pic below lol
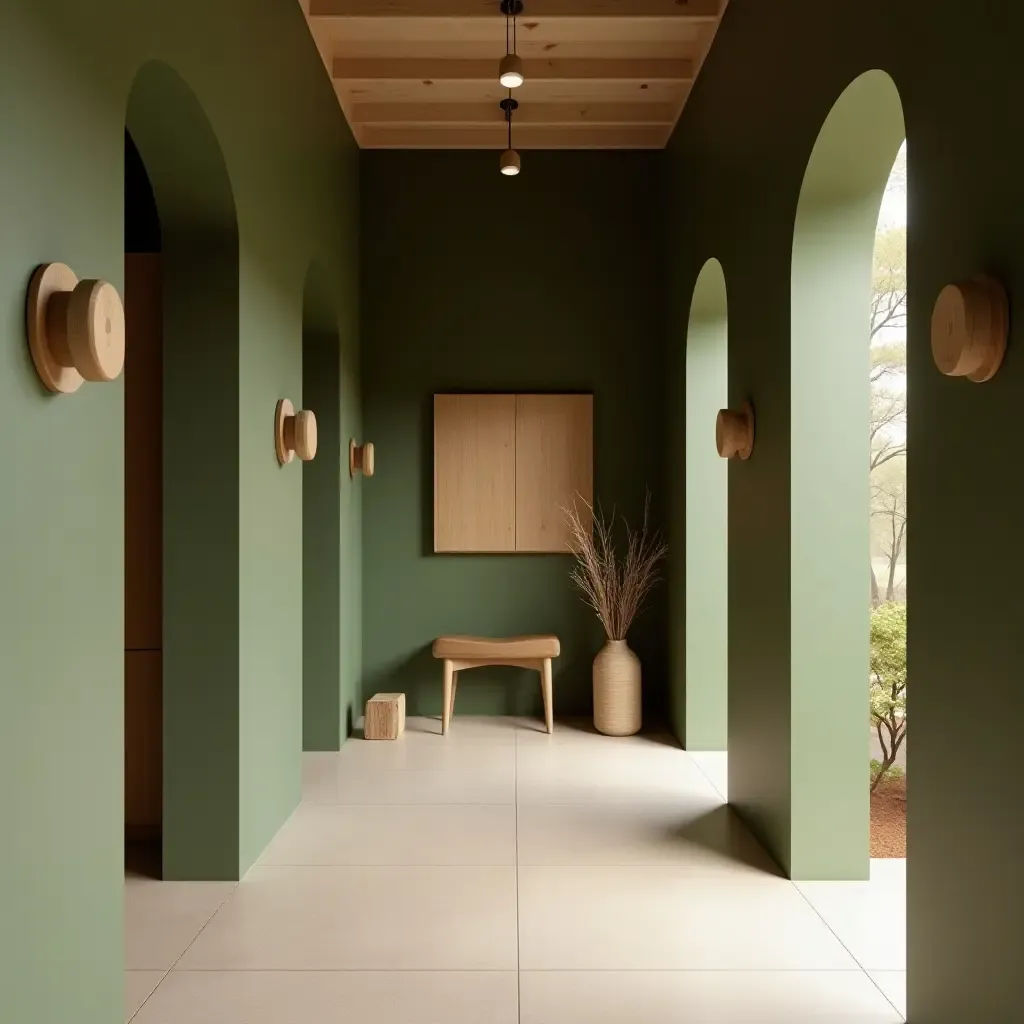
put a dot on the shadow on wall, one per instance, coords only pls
(326, 711)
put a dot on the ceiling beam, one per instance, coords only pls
(426, 70)
(700, 10)
(525, 137)
(472, 114)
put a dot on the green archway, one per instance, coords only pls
(703, 723)
(833, 240)
(199, 262)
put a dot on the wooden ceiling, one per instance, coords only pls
(600, 74)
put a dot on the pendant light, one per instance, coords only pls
(510, 163)
(510, 70)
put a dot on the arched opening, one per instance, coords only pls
(143, 518)
(194, 280)
(326, 718)
(703, 723)
(831, 290)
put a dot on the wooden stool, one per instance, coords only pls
(462, 652)
(385, 716)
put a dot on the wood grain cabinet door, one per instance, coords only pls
(554, 467)
(474, 473)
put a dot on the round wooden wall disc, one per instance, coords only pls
(305, 434)
(96, 330)
(734, 432)
(368, 459)
(970, 323)
(48, 279)
(284, 410)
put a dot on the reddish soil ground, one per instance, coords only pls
(889, 819)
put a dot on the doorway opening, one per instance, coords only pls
(831, 293)
(182, 697)
(143, 519)
(888, 555)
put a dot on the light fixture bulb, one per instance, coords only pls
(510, 162)
(510, 71)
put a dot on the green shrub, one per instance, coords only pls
(888, 684)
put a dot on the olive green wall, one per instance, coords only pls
(737, 161)
(551, 281)
(66, 72)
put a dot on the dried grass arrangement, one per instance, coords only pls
(614, 587)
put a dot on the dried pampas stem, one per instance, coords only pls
(615, 588)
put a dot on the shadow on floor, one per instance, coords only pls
(143, 858)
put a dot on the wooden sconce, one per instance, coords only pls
(294, 433)
(734, 432)
(970, 324)
(360, 458)
(75, 329)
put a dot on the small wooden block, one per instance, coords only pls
(385, 716)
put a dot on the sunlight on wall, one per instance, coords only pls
(833, 241)
(707, 538)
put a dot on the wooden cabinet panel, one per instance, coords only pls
(554, 464)
(474, 473)
(143, 431)
(143, 742)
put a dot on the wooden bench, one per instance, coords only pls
(462, 652)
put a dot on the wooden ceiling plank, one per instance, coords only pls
(531, 94)
(524, 138)
(691, 10)
(535, 70)
(530, 114)
(412, 32)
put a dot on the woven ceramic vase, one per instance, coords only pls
(617, 692)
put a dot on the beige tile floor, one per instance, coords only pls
(503, 876)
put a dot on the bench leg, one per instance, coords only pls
(446, 706)
(545, 685)
(455, 690)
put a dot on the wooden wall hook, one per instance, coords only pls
(734, 432)
(970, 325)
(294, 432)
(75, 328)
(360, 458)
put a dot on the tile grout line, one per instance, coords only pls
(177, 960)
(515, 799)
(803, 896)
(860, 966)
(700, 768)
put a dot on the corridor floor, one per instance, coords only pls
(502, 875)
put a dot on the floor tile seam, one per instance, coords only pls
(711, 781)
(509, 970)
(413, 803)
(442, 803)
(885, 970)
(402, 864)
(853, 957)
(515, 804)
(191, 942)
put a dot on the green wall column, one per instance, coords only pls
(236, 652)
